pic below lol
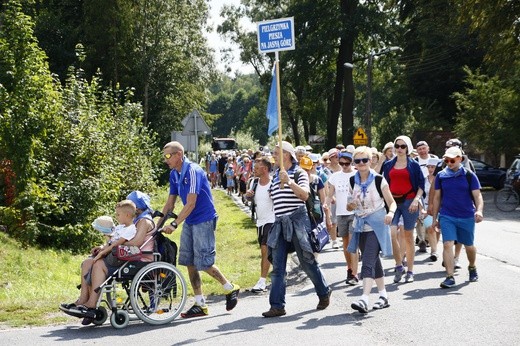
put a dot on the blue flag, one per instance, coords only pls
(272, 107)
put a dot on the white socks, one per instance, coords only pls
(228, 286)
(199, 299)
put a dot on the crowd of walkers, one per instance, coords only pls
(374, 203)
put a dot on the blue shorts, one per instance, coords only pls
(409, 219)
(198, 245)
(457, 229)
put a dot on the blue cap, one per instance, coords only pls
(346, 155)
(141, 200)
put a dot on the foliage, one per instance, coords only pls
(488, 113)
(28, 95)
(75, 150)
(156, 47)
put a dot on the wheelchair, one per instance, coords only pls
(153, 292)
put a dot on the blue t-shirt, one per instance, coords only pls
(192, 179)
(455, 196)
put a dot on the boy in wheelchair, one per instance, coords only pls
(101, 262)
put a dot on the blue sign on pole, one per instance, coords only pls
(276, 35)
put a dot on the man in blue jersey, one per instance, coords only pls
(197, 244)
(289, 190)
(458, 203)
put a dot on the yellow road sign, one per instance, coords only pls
(360, 137)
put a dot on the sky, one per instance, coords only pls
(217, 43)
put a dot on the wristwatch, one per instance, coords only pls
(174, 224)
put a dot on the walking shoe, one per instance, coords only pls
(473, 275)
(408, 277)
(422, 246)
(456, 263)
(381, 303)
(449, 282)
(360, 306)
(195, 311)
(433, 257)
(335, 244)
(399, 272)
(259, 287)
(274, 312)
(352, 281)
(324, 301)
(232, 297)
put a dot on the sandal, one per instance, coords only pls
(381, 303)
(360, 306)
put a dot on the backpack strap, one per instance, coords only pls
(468, 179)
(378, 179)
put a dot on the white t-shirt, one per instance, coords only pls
(341, 182)
(264, 205)
(122, 231)
(371, 202)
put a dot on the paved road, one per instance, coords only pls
(482, 313)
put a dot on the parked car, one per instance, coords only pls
(489, 175)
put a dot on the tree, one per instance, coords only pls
(488, 113)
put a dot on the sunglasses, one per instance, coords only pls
(364, 160)
(402, 146)
(450, 161)
(169, 155)
(344, 163)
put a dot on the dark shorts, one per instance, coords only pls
(263, 232)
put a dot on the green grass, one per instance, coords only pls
(33, 282)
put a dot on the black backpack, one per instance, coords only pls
(313, 203)
(167, 248)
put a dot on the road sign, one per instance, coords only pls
(360, 137)
(276, 35)
(194, 124)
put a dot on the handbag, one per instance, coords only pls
(127, 253)
(319, 237)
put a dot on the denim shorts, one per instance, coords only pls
(198, 245)
(345, 225)
(457, 229)
(409, 219)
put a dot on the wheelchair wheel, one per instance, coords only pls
(119, 319)
(101, 316)
(158, 293)
(506, 199)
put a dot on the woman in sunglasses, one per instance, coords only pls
(406, 182)
(369, 193)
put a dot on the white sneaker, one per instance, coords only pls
(335, 244)
(259, 287)
(456, 263)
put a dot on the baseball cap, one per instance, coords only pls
(432, 161)
(306, 163)
(454, 142)
(420, 144)
(315, 157)
(286, 146)
(453, 152)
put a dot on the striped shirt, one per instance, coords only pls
(285, 200)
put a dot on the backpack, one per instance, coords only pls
(167, 248)
(313, 203)
(253, 204)
(378, 179)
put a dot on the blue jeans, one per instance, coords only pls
(278, 275)
(197, 245)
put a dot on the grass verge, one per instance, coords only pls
(33, 281)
